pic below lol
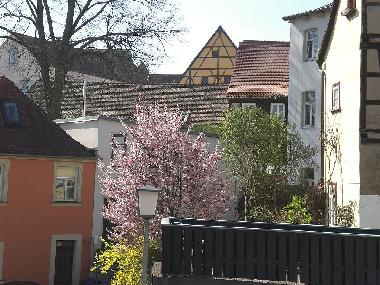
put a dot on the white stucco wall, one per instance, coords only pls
(25, 72)
(305, 76)
(95, 133)
(342, 66)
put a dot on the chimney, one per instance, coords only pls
(84, 97)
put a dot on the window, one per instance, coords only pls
(14, 55)
(311, 45)
(227, 79)
(4, 166)
(332, 202)
(308, 109)
(350, 9)
(117, 140)
(248, 105)
(215, 53)
(25, 84)
(204, 80)
(278, 109)
(67, 183)
(10, 113)
(335, 103)
(235, 105)
(308, 176)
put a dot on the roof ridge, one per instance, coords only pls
(309, 12)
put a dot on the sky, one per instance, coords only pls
(241, 19)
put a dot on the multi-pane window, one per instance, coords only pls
(308, 176)
(117, 141)
(308, 109)
(335, 104)
(278, 109)
(67, 183)
(204, 80)
(10, 113)
(14, 55)
(245, 105)
(215, 53)
(227, 79)
(311, 45)
(3, 180)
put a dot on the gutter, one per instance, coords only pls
(47, 157)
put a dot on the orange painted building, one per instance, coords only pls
(46, 196)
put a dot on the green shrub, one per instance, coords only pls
(124, 261)
(296, 211)
(345, 215)
(207, 128)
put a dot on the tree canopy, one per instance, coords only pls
(264, 153)
(160, 154)
(64, 28)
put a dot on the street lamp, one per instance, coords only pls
(148, 196)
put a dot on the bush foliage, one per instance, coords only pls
(124, 261)
(296, 211)
(268, 158)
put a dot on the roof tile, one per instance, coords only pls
(118, 100)
(261, 70)
(37, 135)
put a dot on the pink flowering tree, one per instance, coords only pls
(158, 152)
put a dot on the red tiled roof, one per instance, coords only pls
(37, 135)
(261, 70)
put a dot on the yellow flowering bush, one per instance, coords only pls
(124, 261)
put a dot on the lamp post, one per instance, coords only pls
(148, 196)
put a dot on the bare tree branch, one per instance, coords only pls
(50, 21)
(65, 28)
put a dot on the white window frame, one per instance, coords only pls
(276, 106)
(314, 45)
(4, 165)
(335, 97)
(115, 143)
(76, 257)
(248, 105)
(78, 181)
(312, 107)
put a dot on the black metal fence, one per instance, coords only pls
(310, 254)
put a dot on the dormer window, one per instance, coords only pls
(11, 113)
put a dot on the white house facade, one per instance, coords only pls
(18, 65)
(95, 132)
(350, 62)
(304, 98)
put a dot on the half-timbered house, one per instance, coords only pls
(350, 62)
(214, 64)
